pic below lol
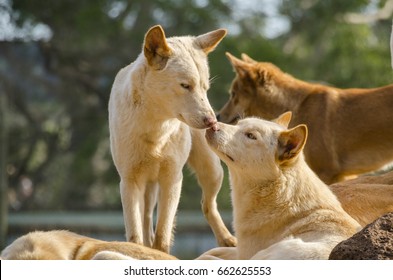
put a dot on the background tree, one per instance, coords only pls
(3, 184)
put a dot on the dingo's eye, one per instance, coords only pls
(185, 86)
(251, 136)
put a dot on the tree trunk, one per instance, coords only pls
(3, 181)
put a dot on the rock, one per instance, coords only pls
(374, 242)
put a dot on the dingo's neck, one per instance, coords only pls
(264, 209)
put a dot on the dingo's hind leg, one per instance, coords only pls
(210, 174)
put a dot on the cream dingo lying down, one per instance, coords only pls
(65, 245)
(281, 209)
(158, 109)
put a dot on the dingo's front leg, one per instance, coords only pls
(110, 255)
(210, 174)
(133, 205)
(150, 203)
(168, 200)
(295, 249)
(220, 253)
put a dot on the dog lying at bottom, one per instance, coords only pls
(281, 209)
(65, 245)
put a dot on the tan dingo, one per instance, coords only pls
(65, 245)
(350, 130)
(281, 209)
(367, 197)
(158, 109)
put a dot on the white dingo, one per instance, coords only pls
(158, 109)
(282, 210)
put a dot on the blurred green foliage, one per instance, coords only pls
(57, 77)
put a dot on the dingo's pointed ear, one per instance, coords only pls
(284, 119)
(248, 59)
(241, 67)
(155, 48)
(291, 143)
(208, 42)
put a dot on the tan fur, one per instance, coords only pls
(157, 110)
(350, 130)
(281, 209)
(366, 198)
(65, 245)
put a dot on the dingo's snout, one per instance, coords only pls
(210, 122)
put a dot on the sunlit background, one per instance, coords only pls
(58, 60)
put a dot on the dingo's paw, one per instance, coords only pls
(230, 241)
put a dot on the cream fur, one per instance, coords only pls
(282, 210)
(65, 245)
(157, 108)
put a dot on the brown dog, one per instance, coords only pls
(350, 130)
